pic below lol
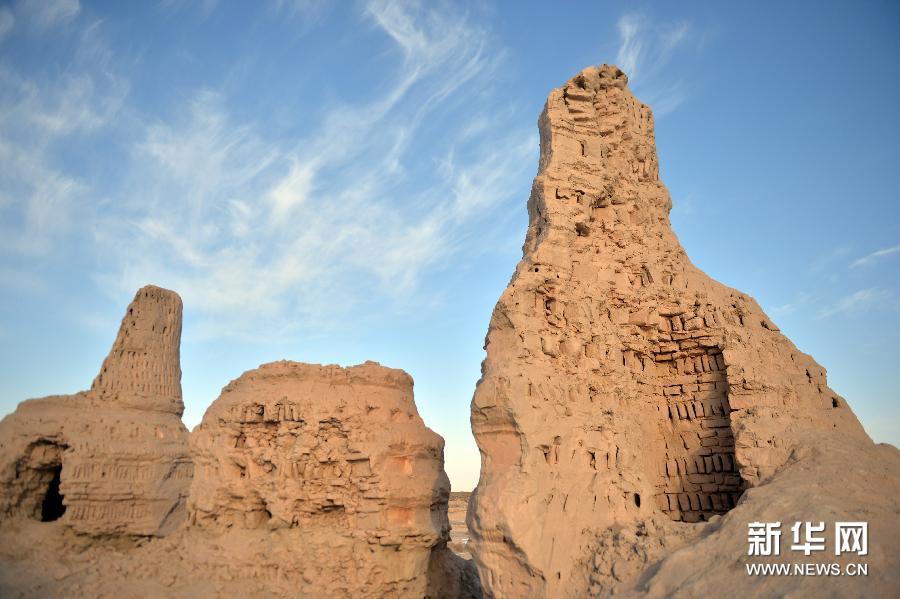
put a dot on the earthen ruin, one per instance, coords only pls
(338, 463)
(633, 415)
(317, 480)
(625, 394)
(115, 459)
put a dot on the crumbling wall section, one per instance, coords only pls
(339, 464)
(117, 455)
(621, 384)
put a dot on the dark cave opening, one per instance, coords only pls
(52, 508)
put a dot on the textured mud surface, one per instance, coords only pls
(634, 416)
(302, 479)
(627, 397)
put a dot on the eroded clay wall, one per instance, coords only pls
(621, 384)
(119, 451)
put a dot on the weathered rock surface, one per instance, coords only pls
(826, 480)
(626, 397)
(302, 480)
(113, 460)
(337, 463)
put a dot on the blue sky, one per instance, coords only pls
(333, 182)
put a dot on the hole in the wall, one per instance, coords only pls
(637, 500)
(835, 403)
(38, 472)
(699, 476)
(53, 508)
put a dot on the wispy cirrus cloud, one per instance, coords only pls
(306, 13)
(855, 301)
(40, 112)
(645, 50)
(874, 256)
(204, 7)
(267, 235)
(45, 14)
(7, 22)
(802, 300)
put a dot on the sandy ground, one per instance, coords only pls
(459, 534)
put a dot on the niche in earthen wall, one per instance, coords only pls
(697, 476)
(35, 491)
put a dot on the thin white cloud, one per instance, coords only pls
(7, 22)
(22, 280)
(205, 7)
(292, 190)
(300, 7)
(39, 112)
(674, 35)
(645, 50)
(398, 21)
(203, 152)
(631, 44)
(304, 14)
(870, 258)
(829, 259)
(36, 200)
(855, 301)
(45, 14)
(802, 300)
(264, 235)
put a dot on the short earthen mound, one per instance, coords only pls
(325, 475)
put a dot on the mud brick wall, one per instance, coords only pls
(334, 467)
(143, 367)
(114, 458)
(698, 476)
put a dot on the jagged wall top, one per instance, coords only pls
(143, 368)
(599, 120)
(328, 474)
(593, 124)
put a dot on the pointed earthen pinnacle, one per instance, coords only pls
(621, 382)
(143, 368)
(597, 150)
